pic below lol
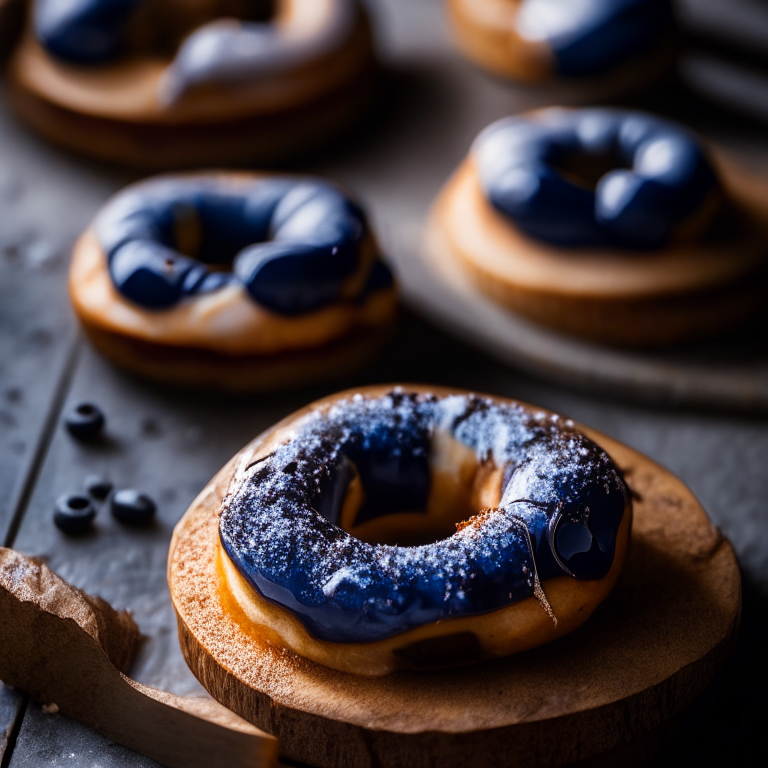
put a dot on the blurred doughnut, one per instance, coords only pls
(187, 82)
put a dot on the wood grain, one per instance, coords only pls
(646, 654)
(36, 344)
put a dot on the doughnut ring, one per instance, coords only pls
(323, 530)
(523, 171)
(238, 281)
(184, 82)
(539, 40)
(609, 224)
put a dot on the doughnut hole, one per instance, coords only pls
(411, 494)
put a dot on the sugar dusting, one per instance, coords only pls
(345, 590)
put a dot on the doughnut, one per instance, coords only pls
(238, 281)
(172, 83)
(397, 528)
(608, 224)
(569, 40)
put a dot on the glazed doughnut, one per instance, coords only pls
(609, 224)
(326, 527)
(539, 40)
(236, 281)
(185, 82)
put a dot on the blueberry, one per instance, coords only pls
(131, 507)
(98, 487)
(85, 421)
(74, 513)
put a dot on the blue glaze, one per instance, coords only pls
(315, 236)
(590, 37)
(91, 32)
(560, 512)
(292, 243)
(223, 51)
(83, 31)
(661, 176)
(150, 274)
(228, 51)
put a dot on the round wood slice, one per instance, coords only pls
(648, 651)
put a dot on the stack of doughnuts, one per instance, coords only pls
(609, 224)
(233, 281)
(165, 83)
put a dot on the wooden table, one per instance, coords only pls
(169, 444)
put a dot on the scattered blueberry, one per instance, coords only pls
(74, 513)
(85, 421)
(98, 487)
(131, 507)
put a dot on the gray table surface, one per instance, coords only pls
(169, 444)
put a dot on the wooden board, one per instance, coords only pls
(647, 653)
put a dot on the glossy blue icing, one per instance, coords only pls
(225, 51)
(221, 51)
(82, 31)
(589, 37)
(661, 176)
(292, 243)
(563, 503)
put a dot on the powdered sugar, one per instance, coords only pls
(278, 524)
